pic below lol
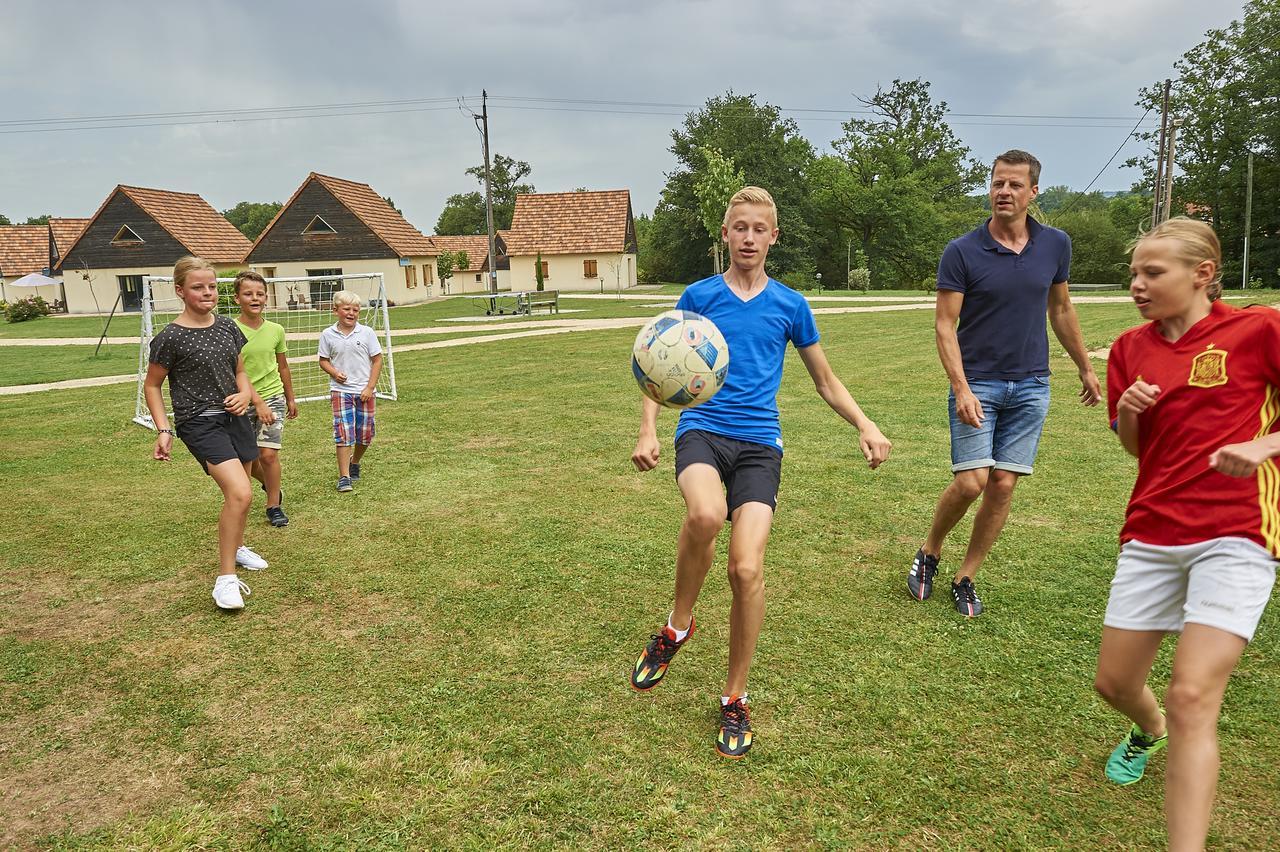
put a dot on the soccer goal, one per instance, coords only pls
(302, 305)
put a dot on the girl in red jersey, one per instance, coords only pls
(1195, 395)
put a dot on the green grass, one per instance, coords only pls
(440, 658)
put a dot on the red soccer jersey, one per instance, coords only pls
(1219, 384)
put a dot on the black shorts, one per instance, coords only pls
(219, 438)
(750, 472)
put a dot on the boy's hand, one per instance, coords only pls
(1138, 397)
(238, 403)
(265, 415)
(291, 407)
(875, 446)
(164, 445)
(645, 455)
(367, 393)
(1239, 459)
(341, 378)
(968, 409)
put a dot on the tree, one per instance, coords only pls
(463, 214)
(898, 186)
(1098, 257)
(252, 217)
(717, 183)
(538, 277)
(37, 220)
(1226, 97)
(4, 220)
(771, 154)
(446, 263)
(644, 248)
(392, 204)
(1055, 198)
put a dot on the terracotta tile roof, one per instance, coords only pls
(372, 209)
(23, 249)
(66, 231)
(476, 247)
(193, 222)
(569, 222)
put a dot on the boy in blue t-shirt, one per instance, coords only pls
(729, 449)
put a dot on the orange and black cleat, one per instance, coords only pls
(657, 655)
(734, 739)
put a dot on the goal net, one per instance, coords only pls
(304, 306)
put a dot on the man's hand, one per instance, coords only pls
(968, 409)
(645, 455)
(1091, 388)
(164, 446)
(265, 415)
(1138, 397)
(875, 446)
(238, 403)
(1240, 460)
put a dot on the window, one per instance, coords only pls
(322, 291)
(411, 277)
(478, 277)
(426, 275)
(268, 272)
(126, 237)
(318, 227)
(545, 272)
(588, 269)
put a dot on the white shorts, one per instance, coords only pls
(1223, 583)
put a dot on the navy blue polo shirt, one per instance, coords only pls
(1006, 295)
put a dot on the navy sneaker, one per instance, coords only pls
(277, 517)
(966, 598)
(355, 471)
(344, 484)
(920, 578)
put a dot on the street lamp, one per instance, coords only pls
(818, 275)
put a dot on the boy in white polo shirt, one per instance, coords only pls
(351, 355)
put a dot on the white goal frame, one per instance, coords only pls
(372, 310)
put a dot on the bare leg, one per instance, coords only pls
(359, 453)
(966, 487)
(704, 517)
(344, 460)
(992, 514)
(1124, 662)
(233, 478)
(751, 525)
(1202, 665)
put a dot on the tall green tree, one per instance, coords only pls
(464, 213)
(37, 220)
(769, 151)
(713, 187)
(897, 187)
(252, 217)
(4, 220)
(1228, 97)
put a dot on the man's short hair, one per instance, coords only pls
(752, 195)
(1015, 157)
(346, 297)
(248, 275)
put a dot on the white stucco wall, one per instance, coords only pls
(565, 272)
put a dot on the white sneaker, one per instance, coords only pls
(226, 592)
(248, 559)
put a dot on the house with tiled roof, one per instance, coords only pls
(475, 277)
(138, 232)
(332, 226)
(587, 240)
(23, 249)
(63, 231)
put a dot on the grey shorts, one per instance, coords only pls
(269, 436)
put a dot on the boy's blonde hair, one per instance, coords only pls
(1196, 243)
(752, 195)
(187, 265)
(346, 297)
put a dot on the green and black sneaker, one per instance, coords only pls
(657, 655)
(734, 737)
(1128, 761)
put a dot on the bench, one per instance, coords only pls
(549, 299)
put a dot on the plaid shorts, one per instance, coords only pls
(352, 419)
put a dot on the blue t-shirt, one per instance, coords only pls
(1006, 294)
(757, 332)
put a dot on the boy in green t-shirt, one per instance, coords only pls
(266, 361)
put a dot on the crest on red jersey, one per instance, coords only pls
(1209, 368)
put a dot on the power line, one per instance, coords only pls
(231, 120)
(1105, 166)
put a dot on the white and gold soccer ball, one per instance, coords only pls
(680, 359)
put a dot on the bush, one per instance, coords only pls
(929, 284)
(26, 309)
(1255, 283)
(860, 279)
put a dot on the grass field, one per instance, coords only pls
(440, 659)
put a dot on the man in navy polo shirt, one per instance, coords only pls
(998, 281)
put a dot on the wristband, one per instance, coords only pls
(166, 432)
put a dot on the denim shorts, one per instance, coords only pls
(1013, 415)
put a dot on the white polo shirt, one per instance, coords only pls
(351, 354)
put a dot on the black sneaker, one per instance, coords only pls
(920, 578)
(734, 738)
(657, 655)
(966, 598)
(277, 517)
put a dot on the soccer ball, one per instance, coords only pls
(680, 359)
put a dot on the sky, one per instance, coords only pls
(565, 81)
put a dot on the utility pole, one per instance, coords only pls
(1248, 215)
(1164, 123)
(488, 194)
(1168, 171)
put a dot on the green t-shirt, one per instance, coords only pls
(265, 342)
